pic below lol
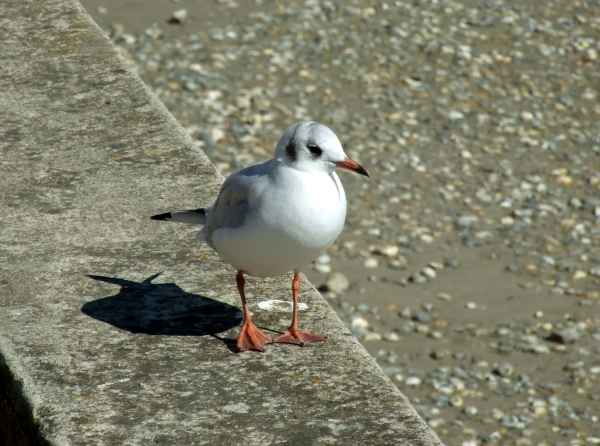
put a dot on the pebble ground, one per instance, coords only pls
(470, 262)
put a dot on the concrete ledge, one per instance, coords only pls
(115, 329)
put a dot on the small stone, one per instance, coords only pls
(497, 414)
(217, 135)
(429, 307)
(436, 334)
(418, 278)
(539, 407)
(548, 260)
(451, 263)
(413, 381)
(442, 400)
(526, 116)
(405, 313)
(591, 294)
(512, 267)
(371, 262)
(579, 274)
(372, 336)
(362, 307)
(564, 180)
(178, 17)
(129, 40)
(345, 306)
(323, 269)
(528, 285)
(470, 305)
(429, 272)
(479, 361)
(323, 259)
(386, 250)
(422, 328)
(471, 410)
(541, 349)
(426, 238)
(423, 317)
(444, 296)
(396, 264)
(330, 295)
(455, 115)
(575, 365)
(507, 221)
(466, 221)
(439, 353)
(401, 282)
(456, 401)
(565, 336)
(358, 321)
(336, 282)
(391, 336)
(390, 370)
(435, 422)
(504, 369)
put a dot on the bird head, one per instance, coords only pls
(311, 147)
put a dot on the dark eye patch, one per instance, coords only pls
(314, 149)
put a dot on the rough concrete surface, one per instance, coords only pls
(115, 329)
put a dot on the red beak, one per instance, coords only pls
(348, 164)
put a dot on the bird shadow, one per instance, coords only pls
(162, 309)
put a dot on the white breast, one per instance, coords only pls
(296, 219)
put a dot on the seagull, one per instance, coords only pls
(276, 217)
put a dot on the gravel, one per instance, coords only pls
(336, 282)
(478, 122)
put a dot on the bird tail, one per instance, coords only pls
(192, 216)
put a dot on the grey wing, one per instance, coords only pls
(236, 198)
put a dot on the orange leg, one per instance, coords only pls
(250, 337)
(295, 336)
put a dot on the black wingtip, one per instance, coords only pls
(163, 217)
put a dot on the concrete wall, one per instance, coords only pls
(118, 330)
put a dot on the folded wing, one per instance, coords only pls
(236, 198)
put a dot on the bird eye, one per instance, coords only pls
(314, 149)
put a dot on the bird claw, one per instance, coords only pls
(251, 338)
(300, 338)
